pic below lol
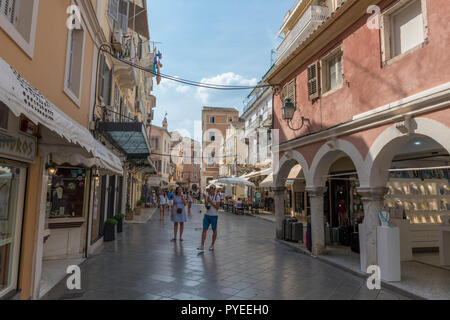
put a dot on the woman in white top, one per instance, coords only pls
(190, 200)
(162, 204)
(178, 215)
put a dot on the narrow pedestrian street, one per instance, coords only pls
(247, 264)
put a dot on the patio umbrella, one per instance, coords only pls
(236, 182)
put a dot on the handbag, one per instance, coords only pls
(179, 211)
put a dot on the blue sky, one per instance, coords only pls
(225, 42)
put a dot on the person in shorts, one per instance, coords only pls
(170, 196)
(162, 203)
(212, 203)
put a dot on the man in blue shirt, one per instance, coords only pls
(170, 196)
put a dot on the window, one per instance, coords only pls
(212, 119)
(289, 91)
(18, 19)
(194, 175)
(332, 70)
(154, 143)
(212, 136)
(116, 102)
(74, 64)
(113, 9)
(123, 16)
(403, 28)
(4, 113)
(313, 81)
(105, 83)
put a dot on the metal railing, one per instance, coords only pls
(313, 17)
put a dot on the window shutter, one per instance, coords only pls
(8, 8)
(313, 81)
(101, 85)
(113, 9)
(289, 91)
(110, 85)
(124, 8)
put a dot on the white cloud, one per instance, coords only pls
(167, 85)
(182, 89)
(228, 78)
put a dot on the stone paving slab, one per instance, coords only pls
(247, 264)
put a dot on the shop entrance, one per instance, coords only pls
(12, 189)
(418, 199)
(343, 207)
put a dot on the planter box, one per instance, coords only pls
(110, 233)
(119, 226)
(129, 215)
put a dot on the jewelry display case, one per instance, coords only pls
(425, 199)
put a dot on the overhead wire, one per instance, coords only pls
(185, 81)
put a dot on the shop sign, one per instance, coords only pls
(17, 146)
(154, 181)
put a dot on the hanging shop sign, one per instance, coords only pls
(23, 99)
(17, 146)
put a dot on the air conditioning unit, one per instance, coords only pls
(117, 40)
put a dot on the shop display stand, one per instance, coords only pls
(388, 244)
(405, 238)
(425, 203)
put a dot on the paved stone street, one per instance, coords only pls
(246, 264)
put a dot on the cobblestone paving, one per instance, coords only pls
(247, 264)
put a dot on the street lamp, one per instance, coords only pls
(51, 169)
(288, 111)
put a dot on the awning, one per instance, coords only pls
(267, 182)
(294, 172)
(22, 98)
(256, 174)
(138, 20)
(128, 137)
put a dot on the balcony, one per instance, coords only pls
(311, 19)
(128, 76)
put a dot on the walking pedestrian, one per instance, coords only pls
(212, 203)
(170, 196)
(162, 203)
(178, 213)
(190, 200)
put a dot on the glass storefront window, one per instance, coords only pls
(65, 193)
(10, 197)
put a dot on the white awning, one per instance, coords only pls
(267, 182)
(22, 98)
(256, 174)
(294, 172)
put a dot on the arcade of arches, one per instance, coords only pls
(341, 191)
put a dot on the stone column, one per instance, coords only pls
(279, 210)
(317, 219)
(373, 202)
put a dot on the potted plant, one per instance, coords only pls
(130, 212)
(119, 217)
(138, 207)
(110, 230)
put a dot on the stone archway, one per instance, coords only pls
(382, 151)
(324, 158)
(376, 171)
(287, 162)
